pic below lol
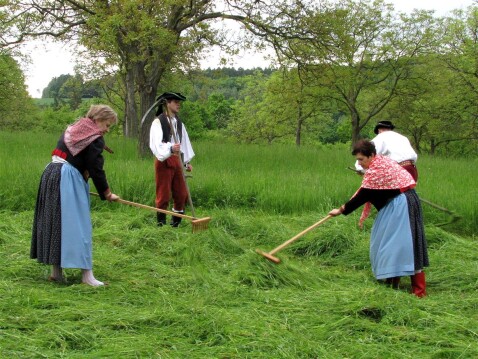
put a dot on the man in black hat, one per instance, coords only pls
(168, 140)
(394, 145)
(383, 125)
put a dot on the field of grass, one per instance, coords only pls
(177, 294)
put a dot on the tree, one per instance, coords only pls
(143, 39)
(73, 90)
(359, 50)
(291, 103)
(255, 118)
(15, 103)
(218, 111)
(437, 108)
(460, 54)
(53, 89)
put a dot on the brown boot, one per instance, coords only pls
(419, 284)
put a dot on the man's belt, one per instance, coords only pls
(407, 163)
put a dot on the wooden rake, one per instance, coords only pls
(198, 224)
(270, 255)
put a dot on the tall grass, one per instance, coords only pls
(277, 179)
(175, 294)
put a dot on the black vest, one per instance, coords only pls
(167, 135)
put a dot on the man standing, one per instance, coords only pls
(168, 140)
(394, 145)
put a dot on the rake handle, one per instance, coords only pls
(150, 207)
(436, 206)
(285, 244)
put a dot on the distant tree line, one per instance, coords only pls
(340, 66)
(71, 90)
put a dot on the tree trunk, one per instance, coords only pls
(148, 88)
(147, 100)
(433, 146)
(355, 120)
(298, 130)
(130, 128)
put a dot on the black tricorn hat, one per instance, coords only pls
(171, 96)
(383, 124)
(168, 96)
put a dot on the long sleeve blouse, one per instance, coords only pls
(378, 197)
(162, 150)
(90, 159)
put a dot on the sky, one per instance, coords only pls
(52, 60)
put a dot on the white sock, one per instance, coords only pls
(89, 278)
(56, 272)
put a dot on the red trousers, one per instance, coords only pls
(170, 181)
(413, 171)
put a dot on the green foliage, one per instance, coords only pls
(342, 61)
(71, 90)
(49, 118)
(54, 86)
(218, 111)
(55, 120)
(193, 114)
(15, 104)
(264, 113)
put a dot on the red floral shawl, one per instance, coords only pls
(80, 134)
(385, 173)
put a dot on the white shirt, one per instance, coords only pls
(393, 145)
(162, 150)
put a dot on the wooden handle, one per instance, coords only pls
(285, 244)
(120, 200)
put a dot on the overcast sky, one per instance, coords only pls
(54, 60)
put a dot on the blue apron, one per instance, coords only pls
(76, 227)
(391, 243)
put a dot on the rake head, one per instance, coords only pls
(268, 256)
(200, 224)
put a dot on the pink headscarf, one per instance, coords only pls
(80, 134)
(385, 173)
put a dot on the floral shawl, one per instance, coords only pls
(385, 173)
(80, 134)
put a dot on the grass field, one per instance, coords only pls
(175, 294)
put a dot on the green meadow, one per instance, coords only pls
(177, 294)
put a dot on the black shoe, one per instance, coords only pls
(393, 282)
(175, 221)
(161, 217)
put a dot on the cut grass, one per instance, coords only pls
(174, 294)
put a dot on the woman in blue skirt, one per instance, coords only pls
(397, 247)
(62, 229)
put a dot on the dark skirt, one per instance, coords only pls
(418, 231)
(46, 231)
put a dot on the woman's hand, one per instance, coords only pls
(188, 167)
(335, 212)
(111, 197)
